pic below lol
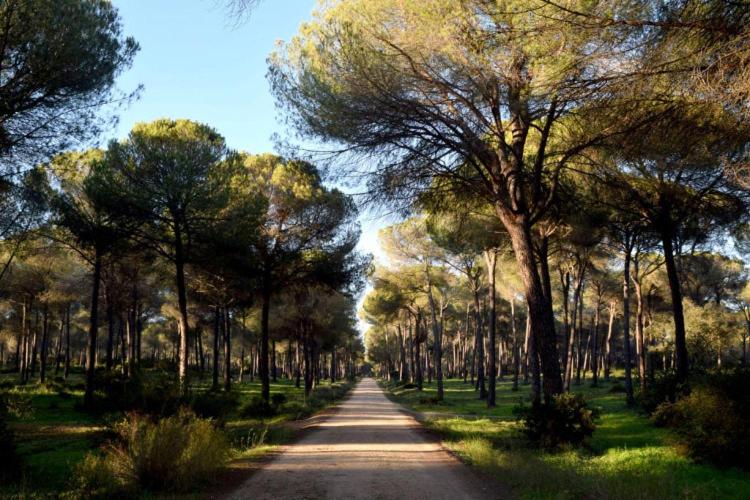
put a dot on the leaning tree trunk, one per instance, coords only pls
(88, 397)
(680, 344)
(539, 305)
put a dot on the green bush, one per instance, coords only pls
(278, 399)
(665, 387)
(158, 394)
(257, 408)
(666, 415)
(429, 400)
(176, 453)
(216, 405)
(296, 410)
(10, 461)
(566, 421)
(709, 425)
(616, 388)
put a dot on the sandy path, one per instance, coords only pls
(367, 449)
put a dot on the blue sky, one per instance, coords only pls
(196, 62)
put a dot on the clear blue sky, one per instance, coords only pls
(196, 62)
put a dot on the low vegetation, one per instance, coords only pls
(61, 447)
(627, 456)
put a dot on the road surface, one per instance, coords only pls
(368, 449)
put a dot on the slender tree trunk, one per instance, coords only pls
(179, 261)
(88, 397)
(490, 257)
(595, 345)
(110, 326)
(264, 375)
(215, 360)
(626, 321)
(417, 354)
(681, 354)
(516, 344)
(479, 346)
(60, 342)
(608, 342)
(44, 347)
(640, 348)
(536, 375)
(66, 372)
(273, 361)
(437, 350)
(227, 350)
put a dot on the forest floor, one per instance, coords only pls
(627, 457)
(53, 434)
(368, 448)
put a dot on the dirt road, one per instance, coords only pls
(368, 449)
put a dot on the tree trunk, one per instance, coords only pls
(88, 397)
(66, 372)
(539, 305)
(264, 379)
(490, 258)
(227, 350)
(640, 348)
(626, 320)
(479, 346)
(44, 347)
(437, 349)
(182, 323)
(595, 335)
(215, 360)
(680, 344)
(608, 342)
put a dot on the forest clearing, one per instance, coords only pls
(375, 249)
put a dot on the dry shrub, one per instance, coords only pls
(177, 454)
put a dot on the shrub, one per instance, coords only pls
(666, 415)
(257, 408)
(278, 399)
(295, 410)
(176, 453)
(566, 421)
(409, 385)
(712, 429)
(95, 477)
(617, 388)
(10, 461)
(255, 437)
(17, 404)
(157, 395)
(665, 387)
(216, 405)
(429, 400)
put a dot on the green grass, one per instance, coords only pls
(627, 457)
(55, 434)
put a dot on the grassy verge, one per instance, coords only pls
(628, 457)
(53, 434)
